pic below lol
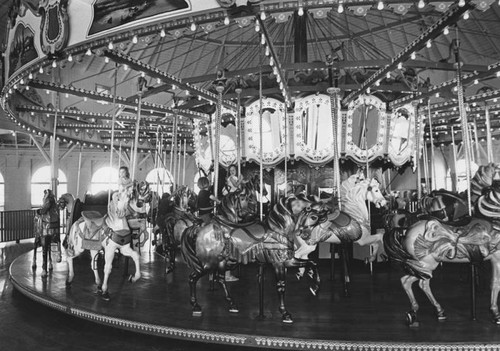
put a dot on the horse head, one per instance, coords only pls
(238, 207)
(373, 193)
(182, 198)
(141, 193)
(311, 218)
(66, 201)
(117, 207)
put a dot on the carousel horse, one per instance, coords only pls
(138, 211)
(47, 232)
(179, 217)
(354, 192)
(232, 239)
(431, 241)
(110, 232)
(67, 202)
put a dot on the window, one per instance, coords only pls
(40, 181)
(160, 180)
(104, 179)
(2, 193)
(462, 184)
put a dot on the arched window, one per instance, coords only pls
(2, 193)
(104, 179)
(461, 175)
(159, 180)
(40, 181)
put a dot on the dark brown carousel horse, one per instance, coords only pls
(225, 242)
(179, 217)
(47, 232)
(432, 240)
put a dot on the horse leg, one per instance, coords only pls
(49, 252)
(280, 271)
(45, 242)
(193, 280)
(411, 316)
(109, 255)
(35, 248)
(426, 287)
(373, 240)
(128, 251)
(313, 272)
(221, 278)
(495, 289)
(345, 269)
(94, 255)
(301, 254)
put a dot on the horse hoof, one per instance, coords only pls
(105, 296)
(441, 316)
(314, 290)
(411, 319)
(99, 290)
(287, 319)
(169, 270)
(298, 276)
(68, 285)
(234, 309)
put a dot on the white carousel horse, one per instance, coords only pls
(111, 232)
(354, 192)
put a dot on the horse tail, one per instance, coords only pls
(188, 248)
(396, 251)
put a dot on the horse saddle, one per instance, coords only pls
(341, 220)
(93, 220)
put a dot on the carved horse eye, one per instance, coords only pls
(308, 208)
(314, 217)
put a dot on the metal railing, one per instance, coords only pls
(16, 225)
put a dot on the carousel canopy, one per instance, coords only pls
(110, 59)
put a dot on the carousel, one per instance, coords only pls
(307, 121)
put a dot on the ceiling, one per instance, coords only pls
(362, 40)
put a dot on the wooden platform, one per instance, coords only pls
(372, 318)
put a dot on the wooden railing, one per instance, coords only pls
(16, 225)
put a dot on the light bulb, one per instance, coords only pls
(226, 21)
(88, 52)
(70, 58)
(380, 5)
(400, 65)
(421, 4)
(257, 27)
(54, 64)
(263, 15)
(368, 90)
(267, 52)
(162, 33)
(461, 3)
(193, 27)
(30, 76)
(476, 81)
(134, 39)
(388, 75)
(429, 43)
(301, 11)
(125, 67)
(340, 9)
(110, 45)
(40, 70)
(377, 83)
(466, 15)
(437, 95)
(413, 56)
(106, 59)
(262, 39)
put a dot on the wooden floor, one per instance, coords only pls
(373, 317)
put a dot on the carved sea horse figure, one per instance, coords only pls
(95, 232)
(212, 247)
(429, 242)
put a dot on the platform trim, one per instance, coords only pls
(245, 340)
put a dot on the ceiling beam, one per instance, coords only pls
(156, 73)
(110, 98)
(451, 16)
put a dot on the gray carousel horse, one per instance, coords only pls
(47, 232)
(431, 241)
(230, 239)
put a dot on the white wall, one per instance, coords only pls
(18, 167)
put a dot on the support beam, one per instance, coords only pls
(451, 16)
(141, 162)
(63, 156)
(156, 73)
(40, 148)
(38, 84)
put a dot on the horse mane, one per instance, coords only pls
(482, 179)
(353, 196)
(280, 217)
(227, 207)
(489, 203)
